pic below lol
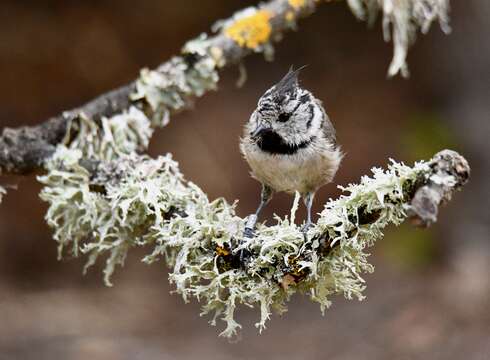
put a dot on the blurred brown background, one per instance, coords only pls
(430, 294)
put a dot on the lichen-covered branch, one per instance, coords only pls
(174, 84)
(103, 209)
(157, 94)
(24, 150)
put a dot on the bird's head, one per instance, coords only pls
(287, 111)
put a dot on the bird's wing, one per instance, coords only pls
(327, 126)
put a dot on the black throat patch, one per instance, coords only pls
(272, 143)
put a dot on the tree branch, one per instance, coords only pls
(107, 208)
(24, 150)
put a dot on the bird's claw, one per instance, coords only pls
(248, 233)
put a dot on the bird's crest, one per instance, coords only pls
(288, 83)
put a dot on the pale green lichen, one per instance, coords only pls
(118, 135)
(111, 212)
(401, 21)
(177, 82)
(139, 201)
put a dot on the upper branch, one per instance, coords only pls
(24, 149)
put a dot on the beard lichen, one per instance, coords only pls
(174, 85)
(401, 21)
(139, 201)
(118, 135)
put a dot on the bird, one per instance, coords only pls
(290, 145)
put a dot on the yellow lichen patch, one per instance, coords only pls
(297, 4)
(221, 251)
(289, 16)
(251, 31)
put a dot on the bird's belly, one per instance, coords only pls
(293, 173)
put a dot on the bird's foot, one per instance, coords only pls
(244, 254)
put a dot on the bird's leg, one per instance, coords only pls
(308, 200)
(265, 197)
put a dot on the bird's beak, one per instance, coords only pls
(259, 130)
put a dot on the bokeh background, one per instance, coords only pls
(429, 297)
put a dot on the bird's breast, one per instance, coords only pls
(305, 170)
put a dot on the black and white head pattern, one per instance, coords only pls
(291, 116)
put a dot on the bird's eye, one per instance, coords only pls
(283, 117)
